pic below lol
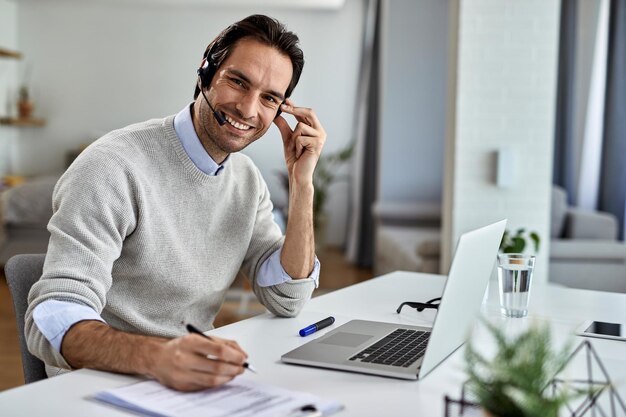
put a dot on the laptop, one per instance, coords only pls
(411, 352)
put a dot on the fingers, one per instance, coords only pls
(203, 380)
(303, 129)
(283, 126)
(306, 138)
(306, 143)
(195, 381)
(302, 114)
(220, 349)
(308, 127)
(232, 344)
(194, 362)
(211, 365)
(302, 145)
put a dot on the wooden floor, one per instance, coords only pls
(10, 361)
(335, 273)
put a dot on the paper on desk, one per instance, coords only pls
(239, 398)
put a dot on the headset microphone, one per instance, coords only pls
(218, 116)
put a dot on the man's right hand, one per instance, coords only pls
(186, 363)
(192, 362)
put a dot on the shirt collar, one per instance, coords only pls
(183, 125)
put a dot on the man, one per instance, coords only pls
(153, 221)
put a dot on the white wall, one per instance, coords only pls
(414, 85)
(504, 87)
(99, 65)
(9, 68)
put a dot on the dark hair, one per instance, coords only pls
(261, 28)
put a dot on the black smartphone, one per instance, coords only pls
(602, 329)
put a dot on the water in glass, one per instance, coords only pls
(514, 283)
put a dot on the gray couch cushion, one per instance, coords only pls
(586, 224)
(416, 213)
(29, 204)
(396, 249)
(599, 251)
(430, 248)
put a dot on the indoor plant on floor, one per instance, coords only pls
(513, 383)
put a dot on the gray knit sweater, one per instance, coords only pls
(150, 242)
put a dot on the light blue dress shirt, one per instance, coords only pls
(54, 318)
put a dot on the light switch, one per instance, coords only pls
(505, 171)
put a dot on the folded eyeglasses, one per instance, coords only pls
(434, 303)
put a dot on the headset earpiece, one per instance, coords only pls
(206, 72)
(204, 75)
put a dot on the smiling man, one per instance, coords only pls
(153, 222)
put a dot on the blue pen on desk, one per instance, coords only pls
(317, 326)
(308, 410)
(192, 329)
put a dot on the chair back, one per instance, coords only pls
(22, 271)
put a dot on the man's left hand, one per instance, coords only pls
(303, 144)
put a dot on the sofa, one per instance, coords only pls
(25, 210)
(407, 237)
(584, 250)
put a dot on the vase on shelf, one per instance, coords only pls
(25, 106)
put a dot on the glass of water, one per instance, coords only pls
(515, 273)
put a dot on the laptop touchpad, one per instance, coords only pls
(346, 339)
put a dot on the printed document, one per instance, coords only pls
(239, 398)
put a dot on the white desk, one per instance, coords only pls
(266, 338)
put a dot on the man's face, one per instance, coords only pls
(247, 89)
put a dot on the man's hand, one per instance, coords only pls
(192, 363)
(302, 145)
(187, 363)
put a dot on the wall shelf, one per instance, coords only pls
(7, 53)
(31, 122)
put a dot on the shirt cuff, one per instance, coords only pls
(272, 272)
(54, 318)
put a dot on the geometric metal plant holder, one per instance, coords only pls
(462, 407)
(602, 399)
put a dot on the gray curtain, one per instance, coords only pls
(365, 169)
(564, 165)
(613, 176)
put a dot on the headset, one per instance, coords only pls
(205, 75)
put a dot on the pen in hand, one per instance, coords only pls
(192, 329)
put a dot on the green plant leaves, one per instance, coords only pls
(517, 243)
(535, 237)
(513, 383)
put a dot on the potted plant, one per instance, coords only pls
(25, 105)
(513, 383)
(325, 174)
(517, 243)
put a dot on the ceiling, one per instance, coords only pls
(291, 4)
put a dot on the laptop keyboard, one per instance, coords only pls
(402, 347)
